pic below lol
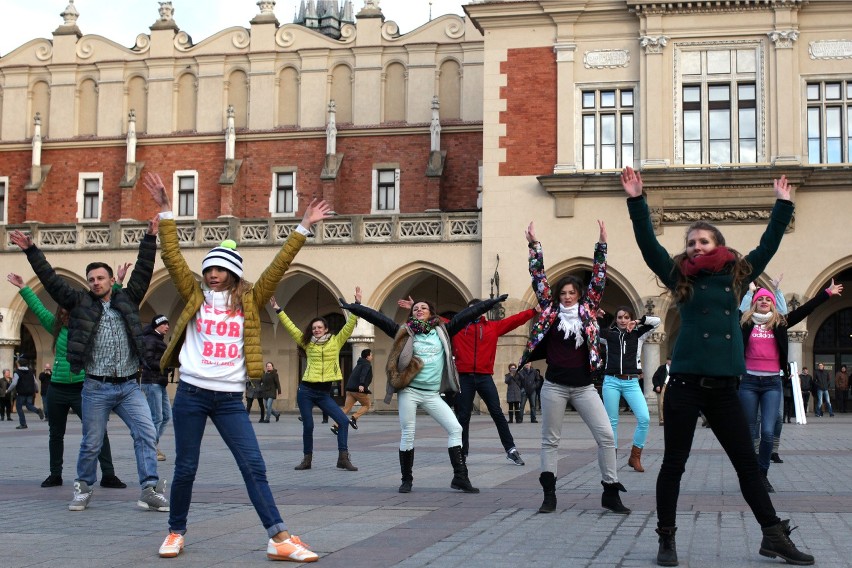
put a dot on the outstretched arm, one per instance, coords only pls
(598, 281)
(378, 319)
(536, 267)
(45, 317)
(471, 313)
(62, 293)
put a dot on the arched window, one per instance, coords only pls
(41, 105)
(341, 93)
(288, 97)
(395, 93)
(87, 109)
(137, 99)
(449, 90)
(238, 96)
(187, 96)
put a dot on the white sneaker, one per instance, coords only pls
(82, 495)
(172, 546)
(292, 549)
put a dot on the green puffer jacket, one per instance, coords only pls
(191, 293)
(61, 368)
(710, 342)
(86, 309)
(323, 358)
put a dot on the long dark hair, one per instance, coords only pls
(432, 311)
(564, 281)
(308, 333)
(60, 320)
(630, 312)
(740, 271)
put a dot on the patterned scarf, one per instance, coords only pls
(713, 261)
(570, 324)
(422, 326)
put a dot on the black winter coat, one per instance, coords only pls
(155, 346)
(362, 375)
(86, 309)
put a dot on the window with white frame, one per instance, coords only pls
(185, 193)
(829, 122)
(719, 95)
(89, 196)
(608, 126)
(4, 200)
(386, 189)
(284, 200)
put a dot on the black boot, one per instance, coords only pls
(511, 416)
(611, 500)
(776, 543)
(519, 417)
(406, 463)
(766, 484)
(460, 480)
(548, 484)
(776, 458)
(667, 553)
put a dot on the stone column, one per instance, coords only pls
(653, 70)
(650, 361)
(785, 146)
(362, 338)
(794, 341)
(565, 153)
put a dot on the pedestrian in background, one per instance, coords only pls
(513, 393)
(530, 380)
(154, 378)
(822, 382)
(806, 381)
(44, 384)
(270, 388)
(25, 385)
(841, 389)
(358, 387)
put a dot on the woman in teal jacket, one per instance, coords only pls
(706, 281)
(322, 349)
(66, 390)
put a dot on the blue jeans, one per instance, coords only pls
(472, 383)
(161, 409)
(193, 406)
(25, 401)
(269, 410)
(613, 389)
(126, 400)
(821, 395)
(766, 393)
(307, 398)
(531, 397)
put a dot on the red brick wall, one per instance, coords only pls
(530, 115)
(350, 194)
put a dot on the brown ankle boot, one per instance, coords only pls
(306, 462)
(344, 463)
(634, 460)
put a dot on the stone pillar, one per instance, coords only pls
(795, 339)
(7, 353)
(785, 145)
(654, 149)
(565, 151)
(362, 338)
(651, 359)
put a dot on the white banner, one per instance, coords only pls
(798, 402)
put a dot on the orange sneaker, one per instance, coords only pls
(292, 549)
(172, 546)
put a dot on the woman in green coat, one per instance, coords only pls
(322, 349)
(66, 389)
(706, 281)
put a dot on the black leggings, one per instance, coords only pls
(685, 397)
(249, 402)
(6, 406)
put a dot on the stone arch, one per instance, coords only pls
(341, 92)
(841, 271)
(395, 92)
(187, 102)
(288, 96)
(449, 89)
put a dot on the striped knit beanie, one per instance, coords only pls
(224, 256)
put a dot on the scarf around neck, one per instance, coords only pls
(570, 324)
(760, 319)
(713, 261)
(422, 326)
(321, 339)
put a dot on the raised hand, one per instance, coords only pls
(530, 233)
(15, 280)
(835, 289)
(405, 304)
(357, 294)
(631, 181)
(154, 225)
(602, 227)
(154, 184)
(776, 282)
(782, 188)
(21, 239)
(121, 272)
(274, 303)
(315, 212)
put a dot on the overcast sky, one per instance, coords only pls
(122, 20)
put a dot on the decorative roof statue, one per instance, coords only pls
(70, 14)
(331, 130)
(167, 11)
(266, 7)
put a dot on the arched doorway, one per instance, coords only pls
(833, 341)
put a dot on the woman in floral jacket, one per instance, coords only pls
(566, 336)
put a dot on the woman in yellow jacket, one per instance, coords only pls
(322, 349)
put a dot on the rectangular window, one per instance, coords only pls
(608, 126)
(284, 189)
(386, 190)
(719, 107)
(829, 116)
(4, 191)
(89, 197)
(185, 193)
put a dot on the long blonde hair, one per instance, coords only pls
(774, 321)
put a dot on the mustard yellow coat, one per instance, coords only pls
(190, 291)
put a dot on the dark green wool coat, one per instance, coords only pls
(710, 341)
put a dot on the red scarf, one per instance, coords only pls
(713, 261)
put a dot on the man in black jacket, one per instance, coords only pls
(660, 380)
(44, 381)
(105, 339)
(822, 381)
(356, 388)
(154, 379)
(24, 383)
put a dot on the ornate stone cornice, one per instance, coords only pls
(783, 39)
(797, 336)
(648, 7)
(653, 44)
(655, 337)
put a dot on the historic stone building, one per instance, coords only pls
(436, 148)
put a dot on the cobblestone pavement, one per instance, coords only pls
(355, 519)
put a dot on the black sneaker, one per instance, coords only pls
(776, 458)
(112, 482)
(334, 429)
(514, 457)
(40, 413)
(52, 481)
(21, 427)
(353, 422)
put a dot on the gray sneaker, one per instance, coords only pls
(82, 495)
(154, 498)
